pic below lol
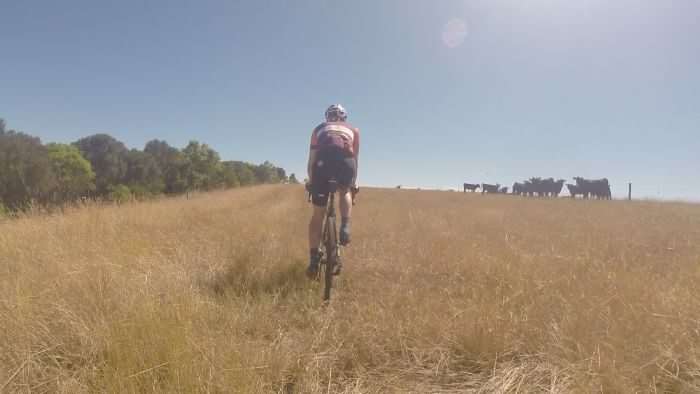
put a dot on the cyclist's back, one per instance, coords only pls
(339, 135)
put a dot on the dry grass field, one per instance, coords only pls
(441, 292)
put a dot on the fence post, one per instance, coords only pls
(629, 191)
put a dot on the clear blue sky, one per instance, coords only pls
(443, 91)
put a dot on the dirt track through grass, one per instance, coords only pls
(441, 292)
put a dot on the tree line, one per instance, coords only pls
(101, 167)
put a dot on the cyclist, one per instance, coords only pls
(334, 150)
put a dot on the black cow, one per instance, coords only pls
(574, 190)
(552, 188)
(528, 188)
(537, 186)
(503, 190)
(471, 187)
(486, 188)
(518, 188)
(598, 188)
(602, 192)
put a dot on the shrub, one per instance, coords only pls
(119, 193)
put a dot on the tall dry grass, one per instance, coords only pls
(441, 292)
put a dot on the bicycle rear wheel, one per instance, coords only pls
(331, 245)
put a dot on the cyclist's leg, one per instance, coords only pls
(319, 199)
(345, 198)
(345, 176)
(315, 227)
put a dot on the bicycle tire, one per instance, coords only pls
(331, 244)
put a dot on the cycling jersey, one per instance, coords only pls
(336, 134)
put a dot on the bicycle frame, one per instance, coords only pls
(330, 247)
(330, 241)
(330, 207)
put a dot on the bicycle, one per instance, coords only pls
(329, 250)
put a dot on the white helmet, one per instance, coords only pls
(336, 113)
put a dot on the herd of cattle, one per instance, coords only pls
(587, 188)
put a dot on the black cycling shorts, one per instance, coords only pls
(331, 163)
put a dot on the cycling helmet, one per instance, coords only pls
(336, 113)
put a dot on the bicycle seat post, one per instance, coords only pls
(332, 188)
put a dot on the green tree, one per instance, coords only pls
(244, 172)
(119, 193)
(72, 172)
(203, 166)
(266, 173)
(143, 174)
(229, 175)
(281, 174)
(293, 179)
(247, 176)
(108, 158)
(101, 163)
(172, 165)
(25, 172)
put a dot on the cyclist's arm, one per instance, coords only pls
(356, 149)
(310, 164)
(357, 164)
(313, 148)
